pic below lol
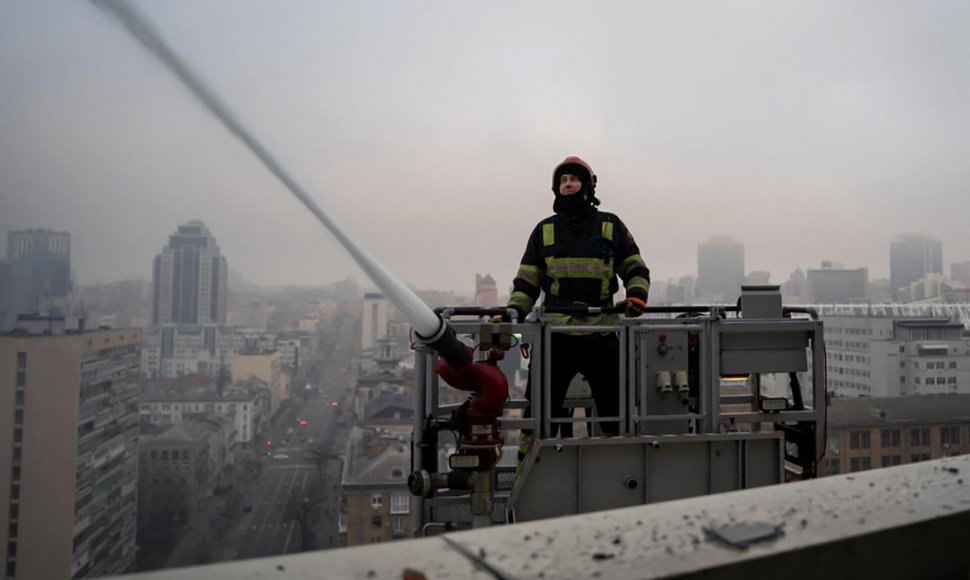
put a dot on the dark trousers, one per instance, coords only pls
(597, 357)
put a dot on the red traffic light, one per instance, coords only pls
(303, 422)
(333, 404)
(269, 442)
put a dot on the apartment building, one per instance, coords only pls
(68, 451)
(375, 504)
(881, 432)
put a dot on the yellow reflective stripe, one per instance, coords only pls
(638, 282)
(608, 230)
(555, 319)
(548, 234)
(519, 298)
(605, 289)
(630, 263)
(529, 274)
(578, 268)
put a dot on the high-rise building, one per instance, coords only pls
(831, 285)
(794, 289)
(38, 274)
(486, 291)
(720, 270)
(374, 320)
(69, 440)
(912, 257)
(960, 271)
(190, 279)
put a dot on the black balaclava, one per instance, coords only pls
(583, 202)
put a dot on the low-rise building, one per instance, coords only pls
(375, 502)
(175, 471)
(881, 432)
(243, 405)
(267, 366)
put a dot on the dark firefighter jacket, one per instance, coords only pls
(579, 262)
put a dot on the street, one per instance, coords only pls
(290, 503)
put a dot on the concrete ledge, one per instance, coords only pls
(910, 521)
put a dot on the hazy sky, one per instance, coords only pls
(807, 130)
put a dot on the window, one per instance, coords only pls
(21, 361)
(400, 503)
(952, 380)
(915, 364)
(376, 521)
(950, 435)
(165, 454)
(859, 440)
(889, 460)
(930, 381)
(918, 437)
(859, 463)
(917, 457)
(889, 438)
(916, 380)
(398, 524)
(154, 454)
(953, 364)
(902, 364)
(375, 540)
(376, 500)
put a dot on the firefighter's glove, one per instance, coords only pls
(635, 307)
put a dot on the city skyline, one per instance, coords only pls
(802, 152)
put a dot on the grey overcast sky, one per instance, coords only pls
(807, 130)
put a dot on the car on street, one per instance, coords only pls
(281, 456)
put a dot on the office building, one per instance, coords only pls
(37, 276)
(886, 356)
(720, 270)
(374, 320)
(882, 432)
(69, 440)
(960, 272)
(912, 257)
(832, 285)
(190, 279)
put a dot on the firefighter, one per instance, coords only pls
(575, 257)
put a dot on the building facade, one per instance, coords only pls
(190, 279)
(244, 406)
(267, 366)
(486, 291)
(831, 285)
(375, 504)
(374, 320)
(37, 277)
(720, 270)
(911, 257)
(68, 473)
(172, 350)
(882, 432)
(885, 356)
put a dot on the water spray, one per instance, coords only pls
(487, 383)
